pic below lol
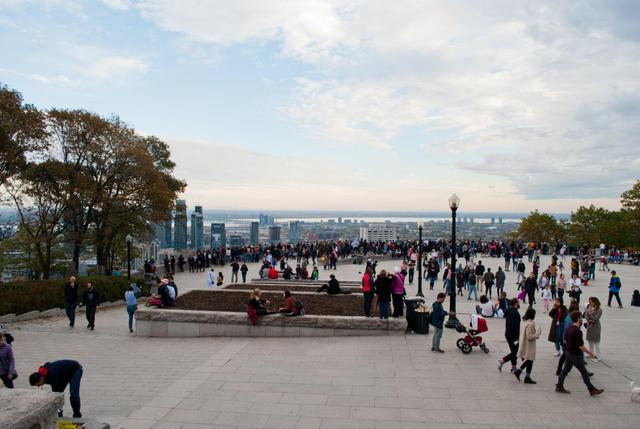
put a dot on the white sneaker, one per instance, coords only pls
(556, 353)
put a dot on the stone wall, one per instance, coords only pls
(189, 323)
(29, 408)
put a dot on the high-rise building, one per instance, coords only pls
(255, 233)
(180, 225)
(274, 234)
(163, 231)
(197, 228)
(378, 232)
(266, 220)
(339, 219)
(236, 241)
(218, 235)
(294, 232)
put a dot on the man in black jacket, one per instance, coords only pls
(91, 299)
(71, 300)
(530, 286)
(58, 374)
(511, 334)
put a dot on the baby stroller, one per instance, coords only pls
(472, 338)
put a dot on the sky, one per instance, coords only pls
(353, 105)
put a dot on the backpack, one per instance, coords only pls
(300, 307)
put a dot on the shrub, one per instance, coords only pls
(24, 296)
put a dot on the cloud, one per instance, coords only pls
(59, 79)
(117, 4)
(115, 67)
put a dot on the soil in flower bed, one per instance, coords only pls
(320, 304)
(292, 288)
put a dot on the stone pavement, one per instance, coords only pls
(357, 382)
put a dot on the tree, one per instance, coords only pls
(594, 225)
(630, 200)
(540, 228)
(21, 130)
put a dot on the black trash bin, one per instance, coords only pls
(417, 322)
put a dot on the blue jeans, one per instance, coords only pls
(559, 335)
(473, 290)
(70, 309)
(131, 309)
(74, 391)
(383, 307)
(437, 334)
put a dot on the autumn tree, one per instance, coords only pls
(630, 200)
(540, 228)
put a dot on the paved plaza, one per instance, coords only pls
(338, 382)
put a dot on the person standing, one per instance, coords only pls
(574, 355)
(91, 299)
(71, 300)
(562, 286)
(592, 315)
(488, 280)
(500, 279)
(556, 331)
(479, 275)
(614, 289)
(438, 314)
(397, 292)
(243, 271)
(383, 289)
(211, 279)
(58, 374)
(367, 291)
(132, 305)
(7, 363)
(511, 334)
(235, 268)
(527, 352)
(530, 286)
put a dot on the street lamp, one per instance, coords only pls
(454, 203)
(129, 239)
(420, 225)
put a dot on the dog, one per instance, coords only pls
(635, 392)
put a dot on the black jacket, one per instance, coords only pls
(59, 373)
(91, 298)
(71, 293)
(383, 289)
(334, 287)
(512, 325)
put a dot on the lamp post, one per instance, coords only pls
(129, 239)
(454, 203)
(420, 225)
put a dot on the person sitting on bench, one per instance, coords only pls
(333, 287)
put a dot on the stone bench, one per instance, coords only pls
(192, 323)
(29, 408)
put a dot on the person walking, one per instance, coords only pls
(472, 287)
(235, 269)
(438, 314)
(574, 355)
(58, 374)
(91, 299)
(7, 363)
(132, 305)
(614, 289)
(556, 331)
(397, 293)
(530, 286)
(71, 300)
(562, 286)
(488, 280)
(527, 352)
(243, 271)
(511, 334)
(592, 315)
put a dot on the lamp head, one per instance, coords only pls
(420, 224)
(129, 238)
(454, 202)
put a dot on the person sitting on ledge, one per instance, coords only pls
(485, 308)
(257, 306)
(288, 272)
(290, 308)
(273, 273)
(333, 287)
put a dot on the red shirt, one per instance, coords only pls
(273, 273)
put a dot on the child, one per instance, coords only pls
(546, 296)
(561, 266)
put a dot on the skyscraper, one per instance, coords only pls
(218, 235)
(180, 225)
(294, 232)
(274, 234)
(197, 229)
(255, 233)
(163, 231)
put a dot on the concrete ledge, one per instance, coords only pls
(29, 408)
(28, 316)
(52, 312)
(8, 318)
(190, 323)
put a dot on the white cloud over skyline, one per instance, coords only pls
(525, 104)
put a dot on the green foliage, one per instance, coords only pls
(24, 296)
(541, 227)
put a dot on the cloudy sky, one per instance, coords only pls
(376, 104)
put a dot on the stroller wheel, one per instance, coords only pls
(466, 348)
(484, 348)
(460, 343)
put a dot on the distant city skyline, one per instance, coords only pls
(344, 105)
